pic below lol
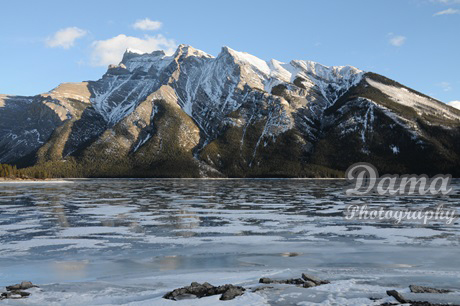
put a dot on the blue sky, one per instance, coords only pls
(415, 42)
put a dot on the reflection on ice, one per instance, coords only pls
(133, 213)
(70, 270)
(162, 234)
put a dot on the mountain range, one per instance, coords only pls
(191, 114)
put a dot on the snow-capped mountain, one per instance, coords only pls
(193, 114)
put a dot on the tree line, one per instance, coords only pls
(11, 171)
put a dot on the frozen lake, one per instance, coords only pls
(119, 241)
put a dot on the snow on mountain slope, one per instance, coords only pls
(208, 86)
(363, 123)
(224, 83)
(145, 61)
(126, 85)
(271, 73)
(422, 104)
(27, 123)
(333, 81)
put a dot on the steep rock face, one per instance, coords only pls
(124, 86)
(27, 123)
(156, 139)
(395, 128)
(192, 114)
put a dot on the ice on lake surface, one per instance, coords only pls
(120, 241)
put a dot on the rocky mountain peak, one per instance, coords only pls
(187, 50)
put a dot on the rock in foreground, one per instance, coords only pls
(15, 291)
(228, 291)
(313, 279)
(397, 296)
(422, 289)
(416, 289)
(21, 286)
(307, 281)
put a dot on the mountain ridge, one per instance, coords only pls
(232, 115)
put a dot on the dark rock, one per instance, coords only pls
(295, 281)
(27, 285)
(308, 284)
(422, 289)
(307, 281)
(291, 281)
(403, 300)
(208, 285)
(314, 279)
(224, 288)
(15, 294)
(201, 290)
(397, 296)
(232, 293)
(266, 280)
(22, 286)
(13, 287)
(185, 297)
(21, 293)
(262, 288)
(172, 295)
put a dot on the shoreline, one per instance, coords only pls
(162, 178)
(253, 292)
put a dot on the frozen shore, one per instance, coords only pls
(129, 242)
(304, 290)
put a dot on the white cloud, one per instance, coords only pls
(446, 86)
(455, 104)
(397, 40)
(147, 25)
(110, 51)
(65, 38)
(446, 1)
(449, 11)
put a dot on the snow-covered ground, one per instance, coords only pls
(114, 242)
